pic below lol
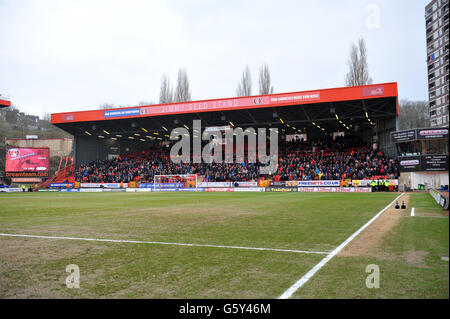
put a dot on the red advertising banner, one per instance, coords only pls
(204, 106)
(26, 180)
(295, 97)
(219, 189)
(373, 90)
(27, 162)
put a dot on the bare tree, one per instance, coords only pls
(46, 117)
(105, 106)
(166, 91)
(265, 84)
(182, 91)
(413, 114)
(358, 73)
(245, 86)
(142, 103)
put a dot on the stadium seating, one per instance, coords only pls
(327, 159)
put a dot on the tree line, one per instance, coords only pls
(182, 92)
(412, 113)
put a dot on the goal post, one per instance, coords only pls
(171, 181)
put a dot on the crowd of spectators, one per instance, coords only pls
(333, 159)
(327, 159)
(144, 166)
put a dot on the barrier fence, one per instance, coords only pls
(440, 199)
(274, 189)
(333, 186)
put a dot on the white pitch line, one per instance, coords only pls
(412, 212)
(165, 243)
(291, 290)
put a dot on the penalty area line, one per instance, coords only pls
(291, 290)
(165, 243)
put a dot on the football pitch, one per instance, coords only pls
(223, 245)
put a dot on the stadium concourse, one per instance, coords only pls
(340, 135)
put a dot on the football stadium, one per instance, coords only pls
(169, 201)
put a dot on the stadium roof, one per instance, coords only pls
(329, 110)
(4, 102)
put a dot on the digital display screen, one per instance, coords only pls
(27, 162)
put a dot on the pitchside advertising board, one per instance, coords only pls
(427, 134)
(419, 134)
(10, 190)
(60, 185)
(441, 200)
(214, 184)
(335, 189)
(281, 189)
(27, 162)
(435, 162)
(410, 164)
(424, 163)
(287, 186)
(103, 185)
(161, 185)
(403, 136)
(320, 183)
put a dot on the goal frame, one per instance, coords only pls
(155, 177)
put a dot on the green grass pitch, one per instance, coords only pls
(318, 222)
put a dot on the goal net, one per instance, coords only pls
(174, 181)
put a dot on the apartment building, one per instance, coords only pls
(437, 22)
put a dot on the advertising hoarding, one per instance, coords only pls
(27, 162)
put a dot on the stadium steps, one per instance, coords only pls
(59, 177)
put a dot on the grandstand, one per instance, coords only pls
(325, 134)
(331, 159)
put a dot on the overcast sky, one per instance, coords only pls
(60, 55)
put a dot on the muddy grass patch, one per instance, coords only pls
(368, 242)
(415, 258)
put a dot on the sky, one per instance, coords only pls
(61, 55)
